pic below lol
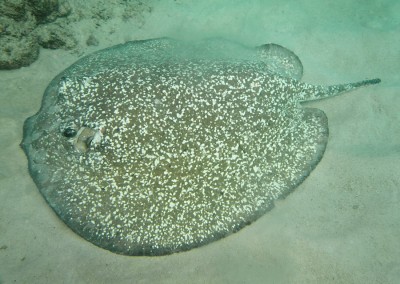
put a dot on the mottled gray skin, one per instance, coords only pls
(193, 141)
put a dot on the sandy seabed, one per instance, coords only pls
(342, 225)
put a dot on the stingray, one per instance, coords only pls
(159, 146)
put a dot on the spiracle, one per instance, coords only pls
(87, 138)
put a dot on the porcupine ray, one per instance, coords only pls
(159, 146)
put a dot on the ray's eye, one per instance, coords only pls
(69, 132)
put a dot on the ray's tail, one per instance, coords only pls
(311, 92)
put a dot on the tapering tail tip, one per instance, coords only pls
(368, 82)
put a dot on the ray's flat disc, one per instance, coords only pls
(158, 146)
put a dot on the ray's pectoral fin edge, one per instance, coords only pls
(280, 60)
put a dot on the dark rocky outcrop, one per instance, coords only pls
(25, 25)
